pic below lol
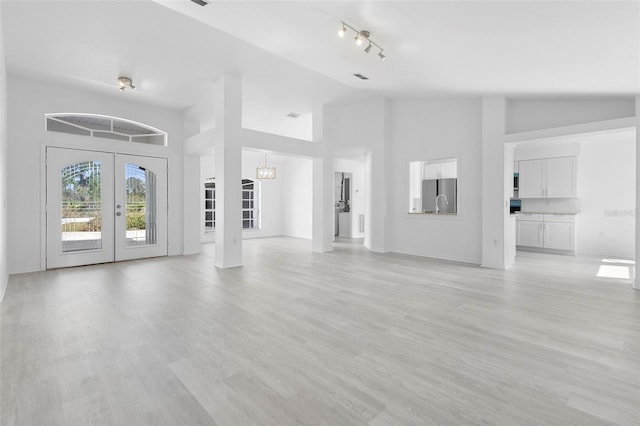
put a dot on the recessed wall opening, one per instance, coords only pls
(103, 126)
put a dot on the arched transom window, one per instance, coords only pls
(103, 126)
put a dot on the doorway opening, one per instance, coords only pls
(595, 218)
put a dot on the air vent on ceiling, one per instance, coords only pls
(201, 2)
(361, 77)
(293, 115)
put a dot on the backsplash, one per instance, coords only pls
(551, 205)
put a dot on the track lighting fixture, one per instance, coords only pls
(125, 82)
(360, 38)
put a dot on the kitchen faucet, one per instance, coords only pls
(445, 201)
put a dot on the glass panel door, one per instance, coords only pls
(90, 221)
(79, 207)
(141, 207)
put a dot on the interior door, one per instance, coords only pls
(79, 207)
(140, 207)
(104, 207)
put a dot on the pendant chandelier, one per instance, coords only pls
(265, 172)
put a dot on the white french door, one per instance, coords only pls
(104, 207)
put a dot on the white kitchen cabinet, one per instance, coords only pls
(561, 177)
(529, 234)
(548, 178)
(559, 236)
(559, 232)
(444, 170)
(531, 178)
(554, 232)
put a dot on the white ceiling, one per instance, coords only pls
(445, 47)
(290, 57)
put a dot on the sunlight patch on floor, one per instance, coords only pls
(616, 268)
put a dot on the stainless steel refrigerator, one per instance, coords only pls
(432, 189)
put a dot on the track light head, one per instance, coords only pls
(342, 31)
(358, 40)
(382, 56)
(368, 48)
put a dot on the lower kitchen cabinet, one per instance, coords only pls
(559, 236)
(529, 234)
(553, 232)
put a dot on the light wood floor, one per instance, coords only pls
(294, 337)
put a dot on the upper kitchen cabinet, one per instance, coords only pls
(531, 178)
(561, 177)
(548, 178)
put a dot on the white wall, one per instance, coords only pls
(271, 194)
(431, 129)
(28, 101)
(297, 208)
(4, 272)
(538, 113)
(606, 179)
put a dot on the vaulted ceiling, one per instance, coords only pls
(291, 58)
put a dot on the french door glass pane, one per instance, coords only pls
(141, 206)
(81, 206)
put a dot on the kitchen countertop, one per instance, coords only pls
(550, 213)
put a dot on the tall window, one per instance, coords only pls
(210, 205)
(250, 205)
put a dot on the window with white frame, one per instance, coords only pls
(104, 126)
(250, 205)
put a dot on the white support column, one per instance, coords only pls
(495, 211)
(322, 231)
(192, 208)
(636, 278)
(375, 209)
(228, 159)
(377, 224)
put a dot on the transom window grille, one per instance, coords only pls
(250, 205)
(102, 126)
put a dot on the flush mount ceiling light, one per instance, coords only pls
(360, 37)
(125, 82)
(265, 172)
